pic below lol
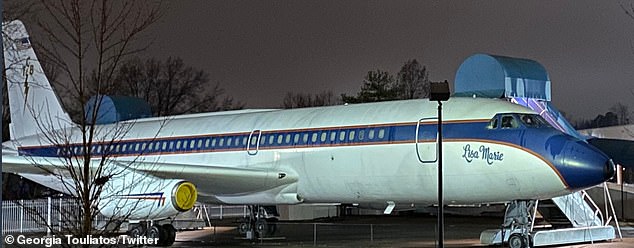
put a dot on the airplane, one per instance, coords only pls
(375, 154)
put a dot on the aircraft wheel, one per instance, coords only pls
(517, 241)
(261, 228)
(243, 228)
(170, 234)
(136, 230)
(158, 233)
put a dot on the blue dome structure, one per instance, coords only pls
(116, 108)
(492, 76)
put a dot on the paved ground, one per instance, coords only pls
(381, 231)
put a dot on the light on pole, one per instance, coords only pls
(439, 92)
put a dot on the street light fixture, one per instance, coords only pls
(440, 92)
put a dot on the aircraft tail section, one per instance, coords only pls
(33, 104)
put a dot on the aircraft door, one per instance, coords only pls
(426, 141)
(253, 144)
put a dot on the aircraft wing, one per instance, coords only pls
(210, 179)
(31, 165)
(220, 179)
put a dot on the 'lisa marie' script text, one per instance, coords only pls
(483, 153)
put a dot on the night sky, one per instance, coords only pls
(259, 50)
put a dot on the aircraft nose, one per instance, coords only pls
(586, 166)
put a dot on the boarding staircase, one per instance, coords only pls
(573, 218)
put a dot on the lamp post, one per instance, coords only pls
(439, 92)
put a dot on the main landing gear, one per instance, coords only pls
(518, 220)
(259, 223)
(165, 234)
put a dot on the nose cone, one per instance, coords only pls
(584, 165)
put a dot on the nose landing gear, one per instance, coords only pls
(518, 220)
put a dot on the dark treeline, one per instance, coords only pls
(618, 114)
(410, 82)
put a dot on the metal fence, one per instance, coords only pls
(29, 216)
(21, 216)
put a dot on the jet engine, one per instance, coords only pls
(146, 198)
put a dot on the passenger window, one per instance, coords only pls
(200, 144)
(207, 142)
(150, 146)
(171, 145)
(237, 143)
(244, 140)
(263, 140)
(143, 147)
(509, 122)
(381, 133)
(296, 138)
(124, 147)
(254, 140)
(314, 138)
(271, 139)
(221, 142)
(213, 142)
(305, 138)
(164, 145)
(342, 135)
(288, 138)
(324, 135)
(229, 140)
(280, 137)
(371, 134)
(333, 136)
(351, 135)
(192, 144)
(136, 147)
(361, 134)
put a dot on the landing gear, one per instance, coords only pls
(518, 220)
(258, 224)
(518, 241)
(164, 234)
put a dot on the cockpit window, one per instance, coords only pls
(493, 124)
(533, 120)
(508, 121)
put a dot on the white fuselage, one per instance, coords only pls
(341, 167)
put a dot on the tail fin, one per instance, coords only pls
(33, 104)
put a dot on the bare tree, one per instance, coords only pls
(413, 81)
(622, 112)
(84, 37)
(170, 87)
(303, 100)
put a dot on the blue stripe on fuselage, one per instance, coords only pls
(542, 141)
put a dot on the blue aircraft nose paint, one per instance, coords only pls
(583, 165)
